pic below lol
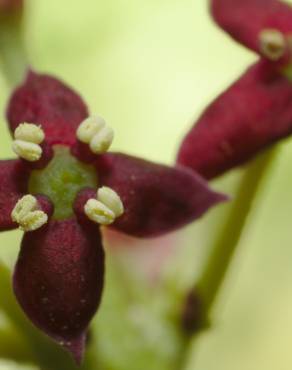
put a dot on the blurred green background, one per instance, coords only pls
(150, 67)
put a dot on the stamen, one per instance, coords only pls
(29, 151)
(98, 212)
(28, 136)
(29, 132)
(106, 208)
(33, 221)
(272, 44)
(27, 214)
(26, 204)
(111, 199)
(96, 133)
(90, 127)
(101, 142)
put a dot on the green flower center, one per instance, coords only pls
(61, 181)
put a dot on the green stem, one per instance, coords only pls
(13, 346)
(212, 277)
(217, 265)
(13, 56)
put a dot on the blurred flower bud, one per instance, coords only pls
(7, 7)
(193, 315)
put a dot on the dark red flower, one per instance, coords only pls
(58, 278)
(256, 110)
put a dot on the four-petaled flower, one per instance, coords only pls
(62, 188)
(256, 110)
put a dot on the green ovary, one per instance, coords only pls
(61, 181)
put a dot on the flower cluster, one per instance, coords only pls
(63, 187)
(256, 110)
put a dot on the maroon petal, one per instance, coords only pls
(253, 113)
(58, 280)
(13, 185)
(46, 101)
(245, 19)
(157, 199)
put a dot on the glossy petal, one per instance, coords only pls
(253, 113)
(157, 199)
(245, 19)
(13, 185)
(58, 280)
(46, 101)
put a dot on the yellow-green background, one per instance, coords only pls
(150, 67)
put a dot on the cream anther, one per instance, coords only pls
(106, 208)
(29, 151)
(111, 199)
(272, 44)
(89, 128)
(94, 132)
(101, 142)
(98, 212)
(27, 214)
(27, 139)
(29, 132)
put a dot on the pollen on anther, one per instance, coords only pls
(27, 137)
(29, 151)
(89, 128)
(106, 208)
(95, 132)
(29, 132)
(28, 215)
(111, 199)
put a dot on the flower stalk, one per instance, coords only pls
(209, 284)
(218, 262)
(13, 56)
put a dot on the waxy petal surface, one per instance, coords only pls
(157, 199)
(48, 102)
(245, 19)
(13, 185)
(253, 113)
(58, 280)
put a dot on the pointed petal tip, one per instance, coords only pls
(220, 198)
(75, 347)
